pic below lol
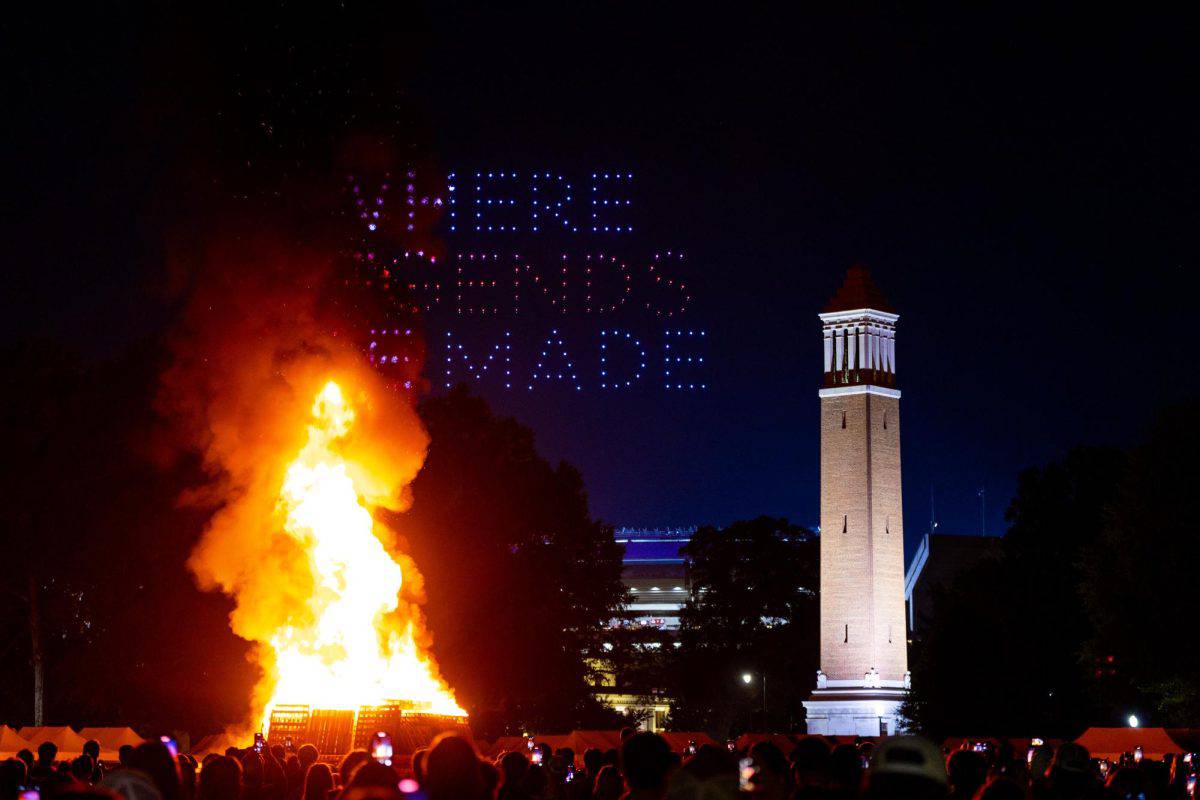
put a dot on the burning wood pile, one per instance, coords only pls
(334, 732)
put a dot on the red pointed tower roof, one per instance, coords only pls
(858, 291)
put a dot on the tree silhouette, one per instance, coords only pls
(1139, 579)
(521, 580)
(1004, 653)
(753, 609)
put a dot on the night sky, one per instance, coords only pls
(1022, 187)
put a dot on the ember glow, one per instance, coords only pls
(356, 646)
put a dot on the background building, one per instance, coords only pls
(939, 559)
(657, 582)
(654, 574)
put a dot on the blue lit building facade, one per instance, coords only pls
(656, 579)
(654, 574)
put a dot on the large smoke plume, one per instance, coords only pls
(258, 339)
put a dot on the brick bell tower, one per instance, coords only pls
(864, 652)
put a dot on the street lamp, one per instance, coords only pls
(1134, 721)
(748, 678)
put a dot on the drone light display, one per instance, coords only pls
(529, 281)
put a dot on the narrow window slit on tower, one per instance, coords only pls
(887, 525)
(845, 523)
(889, 634)
(885, 420)
(843, 420)
(846, 637)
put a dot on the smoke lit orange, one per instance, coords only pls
(302, 442)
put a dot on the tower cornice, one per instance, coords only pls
(860, 388)
(858, 313)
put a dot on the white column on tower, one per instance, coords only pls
(828, 350)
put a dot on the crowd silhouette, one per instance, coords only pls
(643, 768)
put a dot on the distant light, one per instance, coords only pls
(1134, 721)
(747, 677)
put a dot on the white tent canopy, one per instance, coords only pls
(1110, 743)
(11, 742)
(112, 738)
(69, 742)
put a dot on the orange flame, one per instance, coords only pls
(349, 650)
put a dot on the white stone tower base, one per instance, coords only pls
(855, 710)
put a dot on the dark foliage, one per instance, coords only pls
(1139, 580)
(520, 579)
(1004, 652)
(95, 535)
(753, 609)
